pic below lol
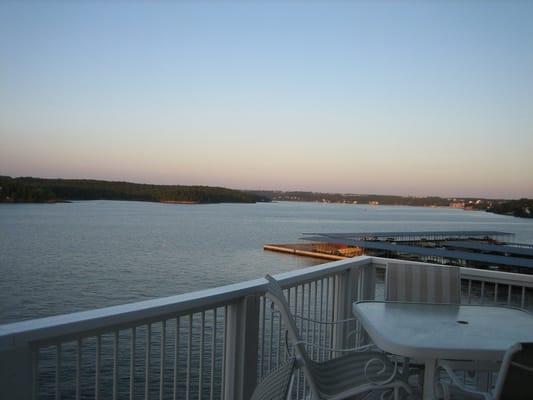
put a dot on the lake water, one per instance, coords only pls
(60, 258)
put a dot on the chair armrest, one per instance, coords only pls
(337, 350)
(316, 321)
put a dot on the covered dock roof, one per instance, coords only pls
(431, 235)
(488, 247)
(488, 259)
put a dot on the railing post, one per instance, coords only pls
(345, 294)
(241, 348)
(16, 374)
(368, 284)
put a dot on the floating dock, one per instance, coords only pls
(325, 251)
(295, 248)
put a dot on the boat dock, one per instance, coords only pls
(473, 249)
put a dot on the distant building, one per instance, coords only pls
(457, 204)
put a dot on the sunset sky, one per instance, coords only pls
(411, 98)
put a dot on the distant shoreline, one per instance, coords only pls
(40, 190)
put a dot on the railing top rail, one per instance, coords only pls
(105, 319)
(500, 277)
(80, 323)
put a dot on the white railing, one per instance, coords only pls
(211, 344)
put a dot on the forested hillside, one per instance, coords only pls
(39, 190)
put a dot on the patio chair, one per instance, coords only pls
(277, 385)
(515, 378)
(343, 377)
(422, 283)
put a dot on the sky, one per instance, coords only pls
(405, 97)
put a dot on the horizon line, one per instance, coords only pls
(449, 197)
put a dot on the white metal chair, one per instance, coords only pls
(515, 379)
(354, 373)
(277, 385)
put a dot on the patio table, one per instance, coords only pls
(429, 332)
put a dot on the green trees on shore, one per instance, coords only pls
(38, 190)
(518, 208)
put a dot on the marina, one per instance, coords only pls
(472, 249)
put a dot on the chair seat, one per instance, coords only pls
(342, 374)
(277, 384)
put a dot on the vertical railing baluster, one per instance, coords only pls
(495, 293)
(213, 355)
(78, 369)
(58, 371)
(35, 369)
(97, 368)
(469, 291)
(328, 280)
(320, 316)
(308, 326)
(482, 292)
(296, 300)
(309, 313)
(279, 337)
(523, 301)
(302, 313)
(289, 301)
(333, 305)
(271, 348)
(315, 316)
(148, 352)
(132, 362)
(509, 292)
(115, 365)
(263, 319)
(189, 360)
(201, 372)
(295, 313)
(224, 350)
(176, 357)
(162, 360)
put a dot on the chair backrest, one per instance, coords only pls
(275, 294)
(277, 384)
(422, 283)
(515, 380)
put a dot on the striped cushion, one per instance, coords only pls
(423, 283)
(275, 386)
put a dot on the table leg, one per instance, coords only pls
(429, 380)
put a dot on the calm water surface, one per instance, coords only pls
(59, 258)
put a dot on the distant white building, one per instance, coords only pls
(457, 204)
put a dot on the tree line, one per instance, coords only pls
(40, 190)
(519, 208)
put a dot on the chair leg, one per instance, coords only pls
(405, 369)
(289, 391)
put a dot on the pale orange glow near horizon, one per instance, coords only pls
(409, 98)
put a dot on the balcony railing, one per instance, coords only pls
(210, 344)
